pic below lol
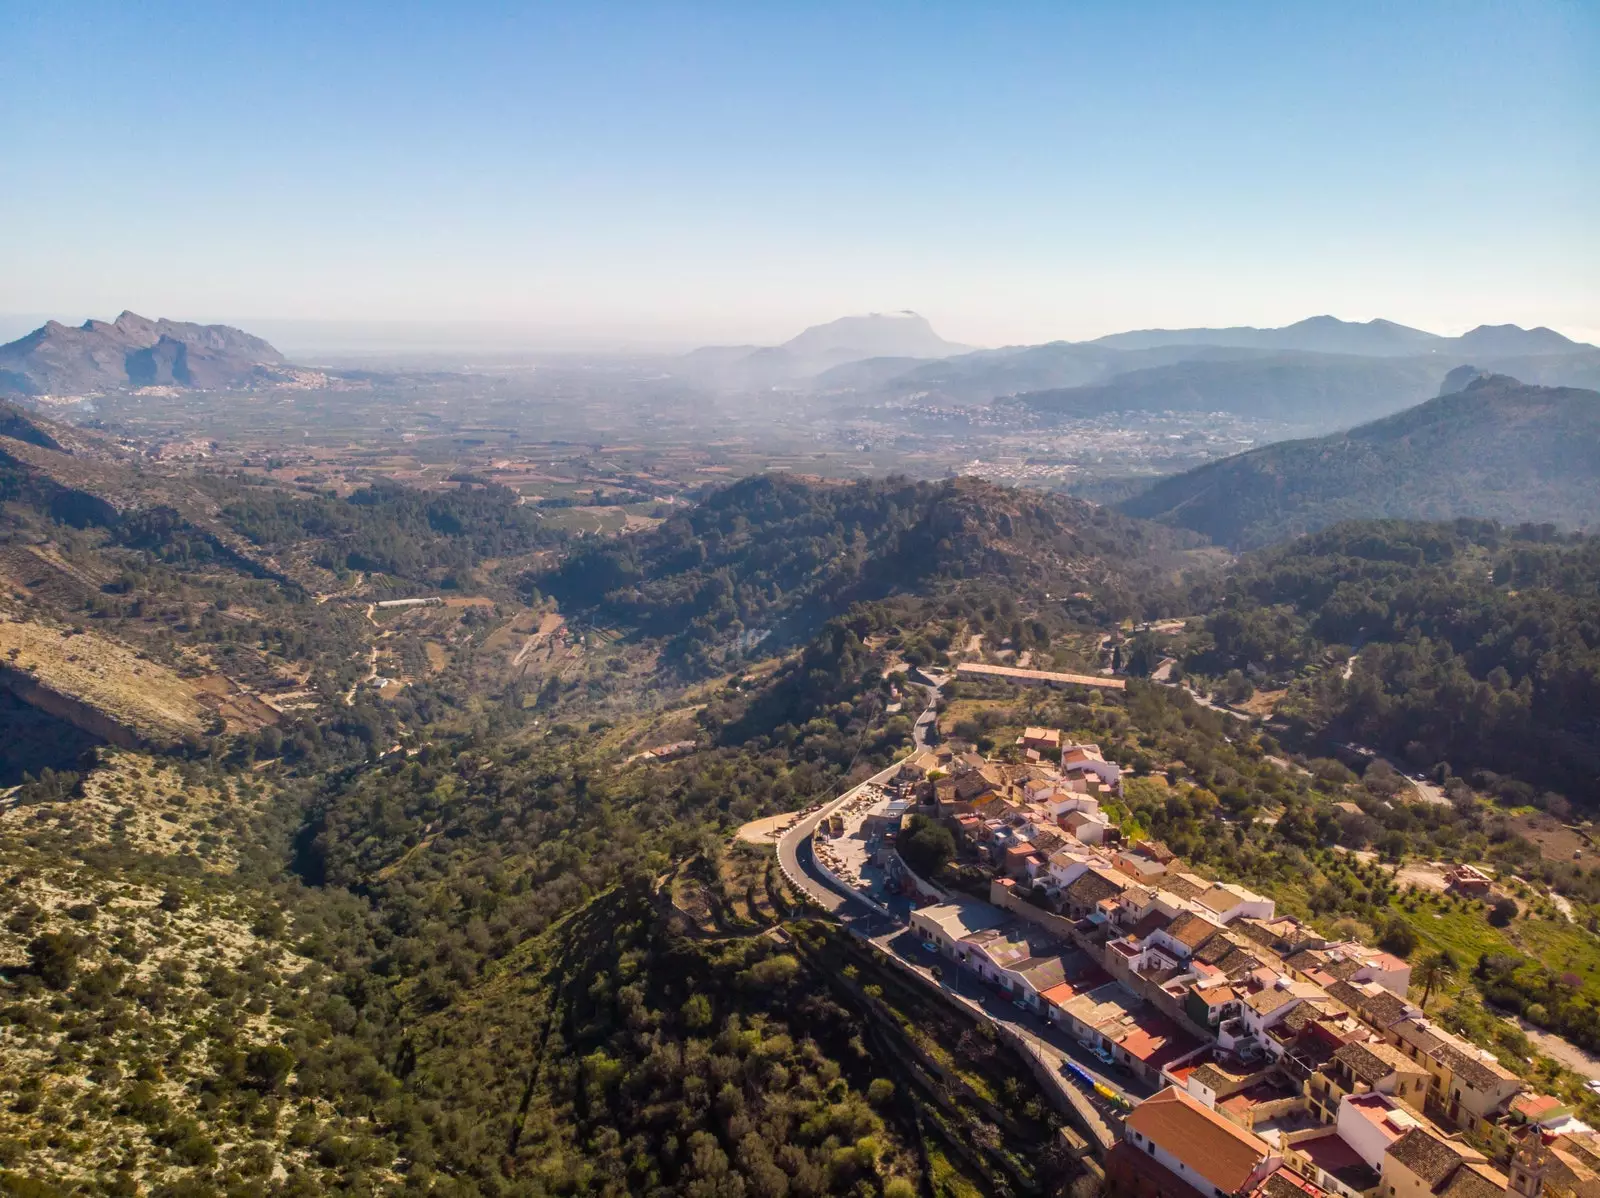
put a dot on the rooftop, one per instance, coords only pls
(961, 919)
(1214, 1149)
(1426, 1155)
(1330, 1153)
(1372, 1061)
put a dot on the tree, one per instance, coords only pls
(1437, 971)
(926, 845)
(1398, 937)
(54, 957)
(1503, 912)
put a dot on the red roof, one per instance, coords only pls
(1157, 1040)
(1092, 980)
(1214, 1149)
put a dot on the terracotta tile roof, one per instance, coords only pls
(1190, 930)
(1264, 1002)
(1155, 921)
(1085, 980)
(1156, 1040)
(1383, 1009)
(1429, 1157)
(1474, 1181)
(1285, 1183)
(1213, 1148)
(1182, 886)
(1347, 996)
(1089, 887)
(1473, 1069)
(1374, 1060)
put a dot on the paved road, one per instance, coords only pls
(1053, 1046)
(795, 850)
(891, 934)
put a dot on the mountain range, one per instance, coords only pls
(1319, 374)
(1374, 338)
(132, 351)
(1495, 448)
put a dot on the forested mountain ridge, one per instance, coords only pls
(779, 553)
(1469, 643)
(1498, 449)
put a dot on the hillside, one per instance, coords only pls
(777, 555)
(1498, 449)
(1374, 338)
(1299, 388)
(131, 351)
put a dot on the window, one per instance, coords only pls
(1150, 1147)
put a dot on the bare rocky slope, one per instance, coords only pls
(132, 351)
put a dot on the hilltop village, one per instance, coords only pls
(1250, 1055)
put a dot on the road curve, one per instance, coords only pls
(794, 846)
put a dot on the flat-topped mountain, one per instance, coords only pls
(1498, 449)
(131, 351)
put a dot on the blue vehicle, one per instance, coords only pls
(929, 946)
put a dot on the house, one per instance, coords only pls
(1187, 932)
(1020, 861)
(1093, 1015)
(1041, 740)
(1265, 1006)
(1349, 961)
(1196, 1146)
(1138, 866)
(979, 782)
(1228, 903)
(1090, 827)
(1373, 1003)
(1282, 1183)
(1085, 761)
(1422, 1163)
(1326, 1158)
(1210, 1005)
(1095, 884)
(1362, 1067)
(1464, 879)
(1149, 1042)
(947, 925)
(1468, 1086)
(1282, 934)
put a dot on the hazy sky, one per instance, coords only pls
(700, 172)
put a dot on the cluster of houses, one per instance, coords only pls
(1286, 1063)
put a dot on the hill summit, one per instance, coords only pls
(1497, 448)
(131, 351)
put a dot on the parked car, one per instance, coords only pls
(929, 946)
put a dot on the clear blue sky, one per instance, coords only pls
(1016, 172)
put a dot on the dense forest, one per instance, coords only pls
(775, 555)
(1471, 643)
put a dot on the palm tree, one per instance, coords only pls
(1436, 971)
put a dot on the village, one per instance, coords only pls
(1248, 1054)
